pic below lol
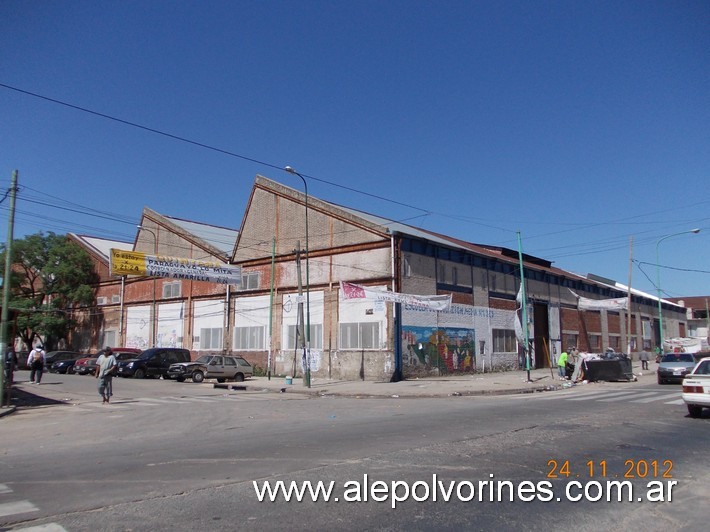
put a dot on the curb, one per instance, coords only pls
(361, 395)
(7, 410)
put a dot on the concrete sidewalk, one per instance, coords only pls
(496, 383)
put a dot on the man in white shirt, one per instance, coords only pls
(35, 361)
(106, 367)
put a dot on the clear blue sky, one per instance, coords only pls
(579, 124)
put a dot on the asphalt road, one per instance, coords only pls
(170, 456)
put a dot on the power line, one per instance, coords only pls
(609, 246)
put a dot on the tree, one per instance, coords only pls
(51, 275)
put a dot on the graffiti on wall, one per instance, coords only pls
(450, 349)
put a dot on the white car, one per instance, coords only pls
(696, 388)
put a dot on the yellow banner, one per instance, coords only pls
(128, 262)
(144, 265)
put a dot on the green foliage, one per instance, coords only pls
(51, 276)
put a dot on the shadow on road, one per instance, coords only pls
(22, 398)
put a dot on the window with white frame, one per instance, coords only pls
(171, 289)
(359, 335)
(290, 319)
(250, 281)
(316, 339)
(251, 323)
(208, 325)
(363, 323)
(211, 338)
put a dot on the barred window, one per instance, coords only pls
(504, 341)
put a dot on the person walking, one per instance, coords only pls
(106, 366)
(562, 365)
(643, 357)
(35, 361)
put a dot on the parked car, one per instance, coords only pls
(87, 366)
(64, 366)
(696, 388)
(153, 362)
(212, 367)
(674, 367)
(55, 356)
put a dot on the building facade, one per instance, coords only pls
(290, 295)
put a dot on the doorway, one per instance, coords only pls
(541, 335)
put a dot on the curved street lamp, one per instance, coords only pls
(658, 281)
(307, 373)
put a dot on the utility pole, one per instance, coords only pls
(6, 296)
(271, 307)
(526, 329)
(628, 309)
(299, 328)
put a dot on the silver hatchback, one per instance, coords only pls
(674, 367)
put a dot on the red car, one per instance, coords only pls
(87, 365)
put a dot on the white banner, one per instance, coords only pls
(355, 291)
(619, 303)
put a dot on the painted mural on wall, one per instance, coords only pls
(450, 349)
(458, 339)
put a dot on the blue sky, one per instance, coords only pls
(580, 124)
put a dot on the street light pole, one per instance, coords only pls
(307, 372)
(154, 317)
(658, 282)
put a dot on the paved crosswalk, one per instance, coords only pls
(10, 507)
(148, 402)
(641, 396)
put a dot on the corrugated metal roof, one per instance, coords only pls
(220, 238)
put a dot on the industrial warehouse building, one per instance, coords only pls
(283, 290)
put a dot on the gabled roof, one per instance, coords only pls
(387, 226)
(220, 238)
(101, 247)
(216, 241)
